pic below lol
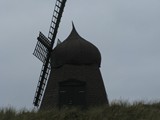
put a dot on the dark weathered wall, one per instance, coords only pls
(95, 91)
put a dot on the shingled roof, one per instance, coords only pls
(75, 50)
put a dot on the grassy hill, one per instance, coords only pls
(116, 111)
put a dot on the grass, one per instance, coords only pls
(117, 110)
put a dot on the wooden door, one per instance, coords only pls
(72, 93)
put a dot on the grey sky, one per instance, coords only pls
(127, 32)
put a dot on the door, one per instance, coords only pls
(72, 93)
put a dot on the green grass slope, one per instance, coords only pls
(116, 111)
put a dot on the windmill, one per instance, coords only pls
(43, 50)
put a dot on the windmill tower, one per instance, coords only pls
(70, 74)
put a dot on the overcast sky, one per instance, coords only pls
(127, 32)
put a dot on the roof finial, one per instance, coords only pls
(74, 29)
(73, 25)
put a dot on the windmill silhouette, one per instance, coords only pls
(70, 74)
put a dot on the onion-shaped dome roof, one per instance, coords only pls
(76, 51)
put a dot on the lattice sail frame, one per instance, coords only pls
(43, 50)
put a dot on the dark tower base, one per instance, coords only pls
(73, 85)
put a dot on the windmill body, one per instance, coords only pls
(75, 78)
(70, 74)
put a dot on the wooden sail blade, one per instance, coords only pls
(42, 47)
(40, 51)
(43, 50)
(56, 18)
(44, 40)
(41, 84)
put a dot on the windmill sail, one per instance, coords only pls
(42, 47)
(43, 50)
